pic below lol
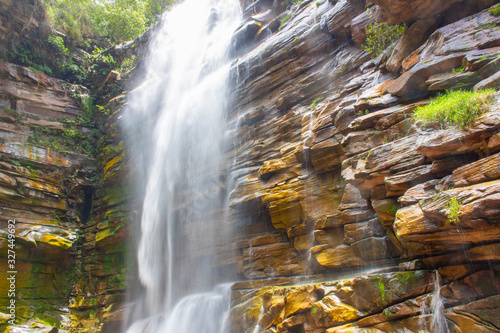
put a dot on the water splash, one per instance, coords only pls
(177, 121)
(438, 323)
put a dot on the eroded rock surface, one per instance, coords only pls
(343, 172)
(330, 175)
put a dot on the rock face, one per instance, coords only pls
(70, 231)
(328, 153)
(21, 20)
(333, 178)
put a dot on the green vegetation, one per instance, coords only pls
(117, 21)
(379, 36)
(458, 70)
(315, 102)
(495, 11)
(459, 108)
(484, 26)
(454, 208)
(284, 20)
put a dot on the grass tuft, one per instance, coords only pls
(455, 108)
(284, 20)
(315, 102)
(495, 11)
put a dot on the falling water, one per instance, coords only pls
(438, 322)
(176, 120)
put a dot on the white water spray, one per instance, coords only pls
(177, 118)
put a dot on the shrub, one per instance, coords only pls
(379, 36)
(454, 208)
(459, 108)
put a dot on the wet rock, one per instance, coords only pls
(492, 81)
(327, 155)
(412, 38)
(243, 37)
(432, 218)
(340, 257)
(420, 192)
(338, 20)
(412, 83)
(358, 27)
(330, 311)
(399, 11)
(444, 51)
(51, 99)
(481, 171)
(439, 144)
(358, 231)
(299, 300)
(484, 309)
(369, 169)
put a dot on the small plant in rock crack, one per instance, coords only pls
(379, 36)
(454, 210)
(315, 102)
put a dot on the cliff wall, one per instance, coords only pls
(329, 154)
(351, 215)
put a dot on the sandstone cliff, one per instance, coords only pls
(327, 152)
(332, 176)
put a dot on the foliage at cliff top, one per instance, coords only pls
(459, 108)
(115, 20)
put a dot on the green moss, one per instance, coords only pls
(284, 20)
(382, 289)
(458, 108)
(315, 102)
(407, 279)
(485, 26)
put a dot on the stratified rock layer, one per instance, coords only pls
(327, 152)
(331, 179)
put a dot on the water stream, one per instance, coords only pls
(176, 119)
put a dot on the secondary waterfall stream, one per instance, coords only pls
(177, 118)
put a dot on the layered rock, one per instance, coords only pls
(47, 191)
(331, 174)
(376, 302)
(341, 169)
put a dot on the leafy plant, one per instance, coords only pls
(118, 20)
(454, 208)
(459, 108)
(379, 36)
(57, 43)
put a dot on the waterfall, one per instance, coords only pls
(176, 122)
(434, 318)
(438, 322)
